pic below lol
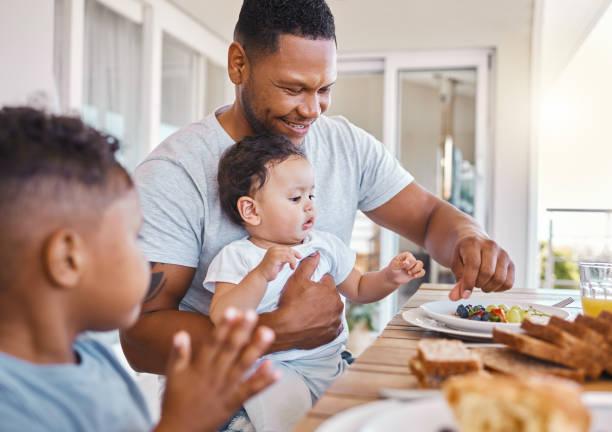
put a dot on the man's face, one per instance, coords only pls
(286, 91)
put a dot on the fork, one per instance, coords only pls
(564, 302)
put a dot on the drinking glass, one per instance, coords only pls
(595, 287)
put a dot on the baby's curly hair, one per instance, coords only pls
(261, 22)
(38, 149)
(243, 168)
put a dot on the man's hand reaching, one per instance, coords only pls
(207, 386)
(479, 262)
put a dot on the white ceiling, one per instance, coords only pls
(219, 16)
(397, 24)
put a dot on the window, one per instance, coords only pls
(111, 78)
(180, 95)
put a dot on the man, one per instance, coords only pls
(283, 65)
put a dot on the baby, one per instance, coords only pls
(71, 262)
(266, 185)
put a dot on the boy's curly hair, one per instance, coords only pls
(243, 168)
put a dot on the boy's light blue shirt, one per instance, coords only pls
(95, 395)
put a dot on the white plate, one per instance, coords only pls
(352, 419)
(426, 415)
(419, 318)
(443, 311)
(430, 415)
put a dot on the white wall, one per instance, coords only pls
(26, 50)
(565, 26)
(575, 141)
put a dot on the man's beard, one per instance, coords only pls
(249, 113)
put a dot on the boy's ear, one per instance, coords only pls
(247, 207)
(63, 258)
(237, 63)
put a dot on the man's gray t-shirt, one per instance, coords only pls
(183, 220)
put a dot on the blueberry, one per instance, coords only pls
(485, 316)
(476, 318)
(462, 312)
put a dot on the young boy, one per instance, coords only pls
(267, 185)
(71, 263)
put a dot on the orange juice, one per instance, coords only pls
(593, 307)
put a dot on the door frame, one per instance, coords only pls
(391, 64)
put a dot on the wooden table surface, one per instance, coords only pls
(385, 362)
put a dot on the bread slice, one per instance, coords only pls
(601, 326)
(545, 351)
(599, 349)
(500, 403)
(444, 357)
(425, 381)
(566, 341)
(579, 330)
(507, 361)
(605, 315)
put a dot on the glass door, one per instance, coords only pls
(436, 144)
(437, 125)
(434, 118)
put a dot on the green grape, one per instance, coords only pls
(490, 307)
(504, 308)
(513, 316)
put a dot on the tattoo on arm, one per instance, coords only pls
(158, 282)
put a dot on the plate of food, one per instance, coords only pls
(419, 318)
(484, 314)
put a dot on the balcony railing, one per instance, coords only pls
(574, 235)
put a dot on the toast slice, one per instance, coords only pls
(545, 351)
(578, 330)
(425, 381)
(444, 357)
(600, 349)
(601, 326)
(568, 342)
(605, 315)
(507, 361)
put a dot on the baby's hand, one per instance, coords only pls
(274, 260)
(403, 268)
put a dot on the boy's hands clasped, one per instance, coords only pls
(213, 376)
(403, 268)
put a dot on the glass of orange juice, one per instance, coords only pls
(595, 287)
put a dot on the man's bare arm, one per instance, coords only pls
(453, 238)
(148, 343)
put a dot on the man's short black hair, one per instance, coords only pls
(261, 22)
(54, 157)
(243, 168)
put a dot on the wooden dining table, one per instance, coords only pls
(384, 364)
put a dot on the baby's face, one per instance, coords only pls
(286, 202)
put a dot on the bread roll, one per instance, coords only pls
(532, 403)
